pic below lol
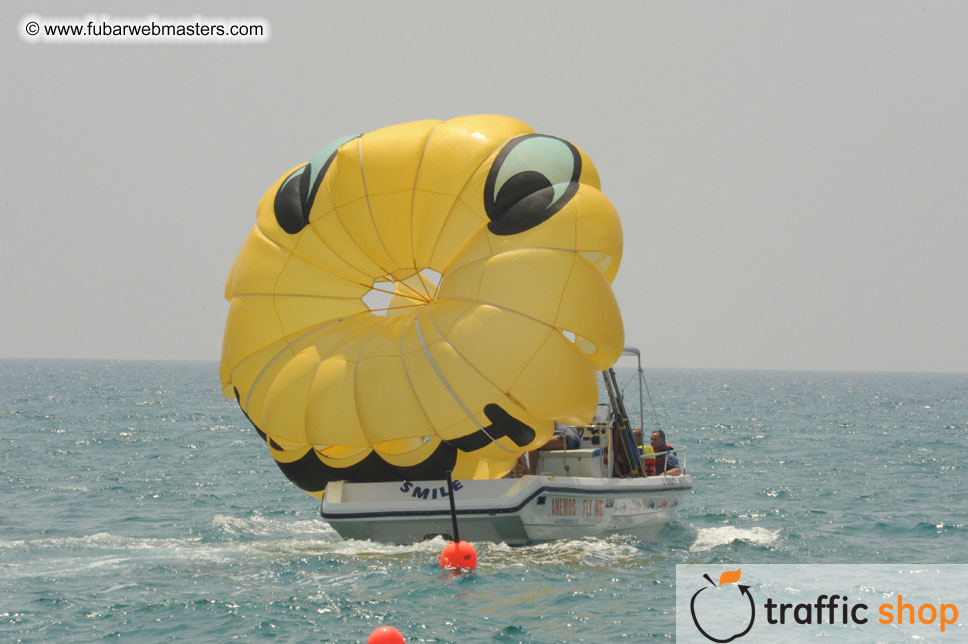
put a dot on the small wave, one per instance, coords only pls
(260, 526)
(709, 538)
(100, 540)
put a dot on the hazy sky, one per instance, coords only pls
(792, 178)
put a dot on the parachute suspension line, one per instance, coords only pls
(413, 389)
(387, 309)
(457, 398)
(463, 357)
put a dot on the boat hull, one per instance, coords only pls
(520, 511)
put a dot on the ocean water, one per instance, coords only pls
(139, 506)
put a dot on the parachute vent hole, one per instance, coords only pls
(431, 276)
(378, 298)
(585, 345)
(601, 261)
(388, 295)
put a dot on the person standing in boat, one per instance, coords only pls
(664, 463)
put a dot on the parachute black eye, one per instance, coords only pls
(532, 178)
(297, 193)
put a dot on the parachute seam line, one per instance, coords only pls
(571, 272)
(351, 335)
(369, 209)
(309, 295)
(356, 378)
(450, 211)
(333, 250)
(497, 306)
(561, 298)
(416, 294)
(288, 346)
(551, 331)
(484, 219)
(413, 390)
(453, 393)
(394, 308)
(479, 260)
(311, 262)
(336, 211)
(368, 312)
(383, 270)
(413, 199)
(332, 461)
(275, 308)
(462, 357)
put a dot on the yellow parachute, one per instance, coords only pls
(426, 297)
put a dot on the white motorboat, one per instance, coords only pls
(575, 493)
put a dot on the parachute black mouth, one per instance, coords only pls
(311, 474)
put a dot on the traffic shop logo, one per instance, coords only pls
(726, 611)
(741, 603)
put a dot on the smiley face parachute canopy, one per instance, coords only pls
(426, 297)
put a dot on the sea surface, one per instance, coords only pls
(138, 505)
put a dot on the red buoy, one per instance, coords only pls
(386, 635)
(459, 555)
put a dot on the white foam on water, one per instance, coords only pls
(260, 526)
(611, 552)
(709, 538)
(99, 540)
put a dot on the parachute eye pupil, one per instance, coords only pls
(521, 186)
(295, 197)
(531, 179)
(289, 205)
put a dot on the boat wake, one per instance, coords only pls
(260, 526)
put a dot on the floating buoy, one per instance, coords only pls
(459, 555)
(386, 635)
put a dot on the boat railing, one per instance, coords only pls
(678, 452)
(599, 434)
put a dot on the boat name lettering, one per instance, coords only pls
(427, 493)
(564, 507)
(592, 507)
